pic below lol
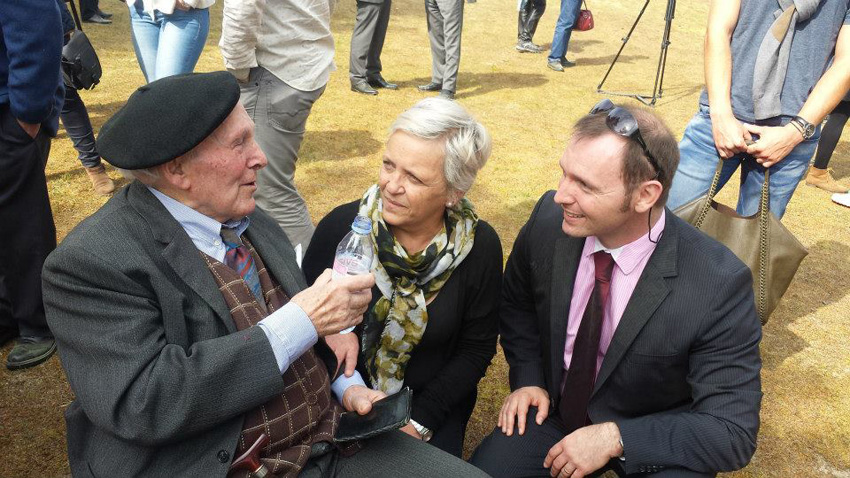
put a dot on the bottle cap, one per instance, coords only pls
(362, 225)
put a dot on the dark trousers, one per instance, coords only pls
(831, 133)
(530, 12)
(88, 8)
(521, 456)
(75, 119)
(26, 221)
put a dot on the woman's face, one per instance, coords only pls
(413, 189)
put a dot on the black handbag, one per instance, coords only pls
(80, 65)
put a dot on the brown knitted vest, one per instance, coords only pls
(305, 413)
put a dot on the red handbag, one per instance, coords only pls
(585, 20)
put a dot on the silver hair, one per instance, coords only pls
(146, 176)
(467, 143)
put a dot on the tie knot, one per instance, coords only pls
(604, 265)
(230, 238)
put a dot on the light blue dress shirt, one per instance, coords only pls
(289, 330)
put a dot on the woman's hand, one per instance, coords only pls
(345, 348)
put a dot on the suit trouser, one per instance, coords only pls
(28, 233)
(391, 454)
(280, 115)
(521, 456)
(445, 25)
(367, 40)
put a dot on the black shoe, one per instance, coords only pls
(104, 14)
(363, 87)
(431, 87)
(7, 334)
(30, 352)
(447, 94)
(97, 19)
(567, 63)
(380, 82)
(528, 47)
(555, 65)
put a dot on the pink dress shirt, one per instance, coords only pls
(629, 261)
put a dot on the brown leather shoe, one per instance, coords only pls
(822, 178)
(101, 182)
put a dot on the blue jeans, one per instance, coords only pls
(168, 45)
(564, 28)
(699, 159)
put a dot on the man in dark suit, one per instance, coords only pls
(632, 338)
(184, 325)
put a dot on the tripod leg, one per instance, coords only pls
(625, 40)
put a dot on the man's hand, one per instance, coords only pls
(345, 348)
(181, 5)
(584, 451)
(515, 408)
(774, 143)
(358, 398)
(29, 128)
(334, 305)
(730, 136)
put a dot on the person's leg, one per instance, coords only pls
(784, 178)
(181, 40)
(519, 456)
(563, 29)
(398, 454)
(434, 19)
(88, 8)
(522, 21)
(537, 9)
(280, 115)
(29, 236)
(697, 163)
(361, 39)
(831, 134)
(373, 63)
(449, 436)
(452, 11)
(144, 31)
(75, 118)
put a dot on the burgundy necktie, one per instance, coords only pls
(582, 373)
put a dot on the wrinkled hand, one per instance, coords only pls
(345, 348)
(730, 136)
(358, 398)
(334, 305)
(515, 408)
(774, 143)
(30, 128)
(584, 451)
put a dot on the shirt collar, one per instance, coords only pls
(627, 257)
(202, 229)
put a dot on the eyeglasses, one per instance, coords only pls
(622, 122)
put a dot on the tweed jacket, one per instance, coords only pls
(162, 377)
(681, 375)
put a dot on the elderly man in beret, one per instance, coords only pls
(183, 323)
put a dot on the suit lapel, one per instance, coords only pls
(179, 251)
(280, 261)
(564, 267)
(649, 293)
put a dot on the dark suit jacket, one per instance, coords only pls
(681, 376)
(161, 376)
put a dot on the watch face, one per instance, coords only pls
(810, 130)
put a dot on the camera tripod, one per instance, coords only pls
(657, 88)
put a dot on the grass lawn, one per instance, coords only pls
(528, 109)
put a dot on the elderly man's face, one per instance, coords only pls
(222, 175)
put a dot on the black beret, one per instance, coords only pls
(166, 118)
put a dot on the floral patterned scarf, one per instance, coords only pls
(395, 324)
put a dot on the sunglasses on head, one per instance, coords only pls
(622, 122)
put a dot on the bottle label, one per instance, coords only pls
(351, 265)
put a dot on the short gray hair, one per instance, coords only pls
(146, 176)
(467, 143)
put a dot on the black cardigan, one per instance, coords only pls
(460, 338)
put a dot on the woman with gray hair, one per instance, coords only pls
(433, 320)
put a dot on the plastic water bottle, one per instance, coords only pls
(354, 253)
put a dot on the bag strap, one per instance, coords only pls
(764, 202)
(764, 247)
(75, 15)
(583, 2)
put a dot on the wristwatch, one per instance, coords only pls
(806, 129)
(425, 433)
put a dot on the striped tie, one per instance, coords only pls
(239, 258)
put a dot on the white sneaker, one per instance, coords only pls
(843, 199)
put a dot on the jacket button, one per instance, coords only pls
(223, 456)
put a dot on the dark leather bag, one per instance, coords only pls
(80, 65)
(771, 252)
(389, 413)
(584, 22)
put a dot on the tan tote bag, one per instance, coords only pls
(771, 252)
